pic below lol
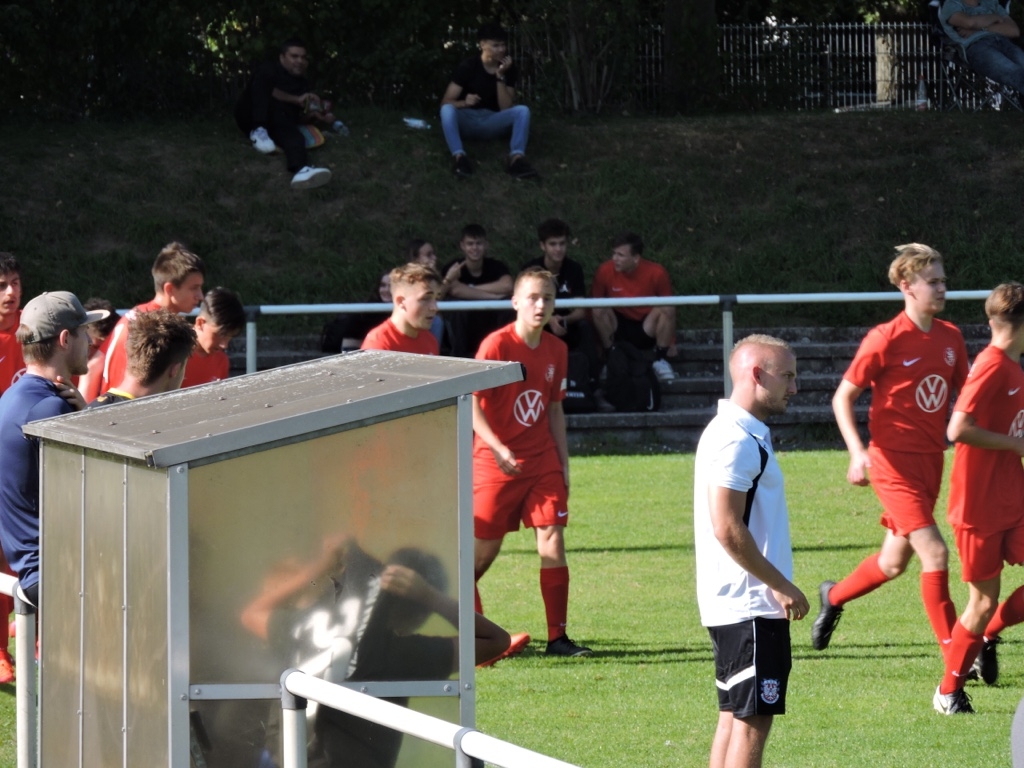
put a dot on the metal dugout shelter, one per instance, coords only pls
(164, 518)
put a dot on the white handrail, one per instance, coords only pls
(25, 704)
(441, 732)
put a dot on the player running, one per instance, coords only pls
(911, 364)
(986, 496)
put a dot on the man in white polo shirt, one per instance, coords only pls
(744, 558)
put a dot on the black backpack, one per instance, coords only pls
(579, 394)
(631, 384)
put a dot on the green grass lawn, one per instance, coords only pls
(647, 697)
(735, 203)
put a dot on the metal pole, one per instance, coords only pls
(293, 726)
(727, 303)
(27, 732)
(251, 313)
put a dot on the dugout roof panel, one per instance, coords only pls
(262, 410)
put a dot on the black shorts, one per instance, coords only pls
(752, 663)
(632, 331)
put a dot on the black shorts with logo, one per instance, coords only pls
(752, 664)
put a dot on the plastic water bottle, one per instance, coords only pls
(416, 124)
(922, 94)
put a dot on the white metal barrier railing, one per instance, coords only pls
(24, 662)
(727, 302)
(297, 688)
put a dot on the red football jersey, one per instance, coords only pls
(387, 336)
(518, 412)
(911, 374)
(117, 358)
(203, 368)
(986, 489)
(648, 279)
(11, 363)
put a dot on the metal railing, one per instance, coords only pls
(836, 66)
(25, 662)
(727, 302)
(297, 688)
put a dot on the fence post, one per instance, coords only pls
(251, 313)
(27, 731)
(726, 303)
(293, 726)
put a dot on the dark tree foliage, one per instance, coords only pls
(131, 56)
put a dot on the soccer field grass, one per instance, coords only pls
(647, 697)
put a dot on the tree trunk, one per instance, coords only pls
(691, 70)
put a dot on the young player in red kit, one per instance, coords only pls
(912, 365)
(521, 454)
(11, 367)
(221, 318)
(986, 496)
(178, 282)
(414, 291)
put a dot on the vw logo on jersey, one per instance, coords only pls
(529, 407)
(931, 393)
(18, 375)
(1017, 427)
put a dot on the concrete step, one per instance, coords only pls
(689, 402)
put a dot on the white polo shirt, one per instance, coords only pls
(728, 457)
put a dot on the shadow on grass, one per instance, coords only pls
(609, 550)
(860, 651)
(836, 547)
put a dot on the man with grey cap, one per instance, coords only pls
(55, 347)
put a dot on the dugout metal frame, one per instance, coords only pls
(124, 543)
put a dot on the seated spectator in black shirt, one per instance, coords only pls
(570, 325)
(275, 103)
(479, 103)
(477, 277)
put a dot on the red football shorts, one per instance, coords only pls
(907, 484)
(982, 555)
(536, 501)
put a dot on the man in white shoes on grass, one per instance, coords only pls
(272, 107)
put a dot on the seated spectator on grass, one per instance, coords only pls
(475, 277)
(276, 101)
(345, 333)
(99, 335)
(414, 289)
(221, 318)
(627, 275)
(479, 103)
(985, 31)
(158, 349)
(570, 325)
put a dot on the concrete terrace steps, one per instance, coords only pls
(689, 402)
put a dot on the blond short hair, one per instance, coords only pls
(1006, 304)
(413, 274)
(760, 340)
(911, 259)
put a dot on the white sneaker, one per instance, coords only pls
(261, 141)
(309, 177)
(663, 370)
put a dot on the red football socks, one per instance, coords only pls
(1008, 613)
(938, 604)
(554, 588)
(962, 652)
(865, 578)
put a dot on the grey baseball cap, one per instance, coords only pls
(50, 313)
